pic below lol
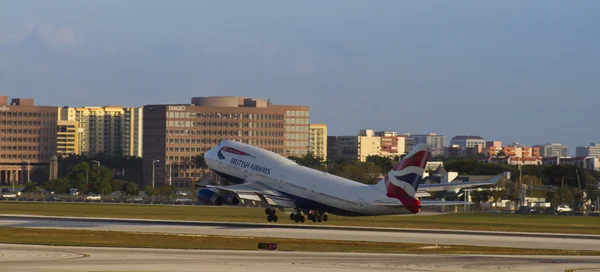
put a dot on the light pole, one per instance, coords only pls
(28, 171)
(153, 166)
(170, 175)
(97, 169)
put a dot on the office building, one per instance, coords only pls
(553, 150)
(27, 138)
(356, 147)
(391, 144)
(366, 143)
(435, 141)
(174, 134)
(317, 140)
(467, 141)
(67, 138)
(109, 129)
(593, 150)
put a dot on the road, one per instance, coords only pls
(17, 258)
(568, 242)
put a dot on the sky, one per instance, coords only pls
(512, 70)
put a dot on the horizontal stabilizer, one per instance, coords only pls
(458, 185)
(430, 203)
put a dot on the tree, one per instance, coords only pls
(384, 163)
(308, 160)
(78, 177)
(59, 186)
(30, 187)
(131, 188)
(40, 175)
(500, 153)
(101, 187)
(200, 162)
(151, 191)
(118, 185)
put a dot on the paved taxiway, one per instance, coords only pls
(251, 230)
(47, 258)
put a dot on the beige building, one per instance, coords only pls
(357, 147)
(317, 140)
(67, 138)
(27, 138)
(175, 134)
(109, 129)
(366, 143)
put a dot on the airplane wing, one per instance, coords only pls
(457, 185)
(256, 191)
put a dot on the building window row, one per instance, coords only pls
(28, 114)
(249, 116)
(28, 131)
(24, 157)
(23, 148)
(249, 133)
(28, 123)
(224, 124)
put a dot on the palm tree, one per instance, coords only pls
(200, 163)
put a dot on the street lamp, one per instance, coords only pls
(153, 166)
(28, 171)
(170, 175)
(98, 169)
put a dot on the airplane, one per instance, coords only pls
(279, 183)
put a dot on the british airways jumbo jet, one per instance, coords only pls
(280, 183)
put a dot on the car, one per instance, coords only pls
(563, 208)
(93, 197)
(9, 195)
(184, 199)
(135, 199)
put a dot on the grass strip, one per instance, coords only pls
(457, 221)
(171, 241)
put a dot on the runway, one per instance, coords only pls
(567, 242)
(17, 258)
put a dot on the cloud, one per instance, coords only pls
(39, 34)
(49, 35)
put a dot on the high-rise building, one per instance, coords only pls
(67, 138)
(553, 150)
(317, 140)
(593, 150)
(435, 141)
(175, 134)
(27, 138)
(109, 129)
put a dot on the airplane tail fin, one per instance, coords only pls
(403, 180)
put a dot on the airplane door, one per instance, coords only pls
(281, 179)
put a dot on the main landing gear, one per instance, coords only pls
(297, 216)
(271, 217)
(317, 216)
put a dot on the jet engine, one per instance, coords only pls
(209, 197)
(232, 200)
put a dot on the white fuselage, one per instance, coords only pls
(310, 188)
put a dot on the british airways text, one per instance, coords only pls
(250, 166)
